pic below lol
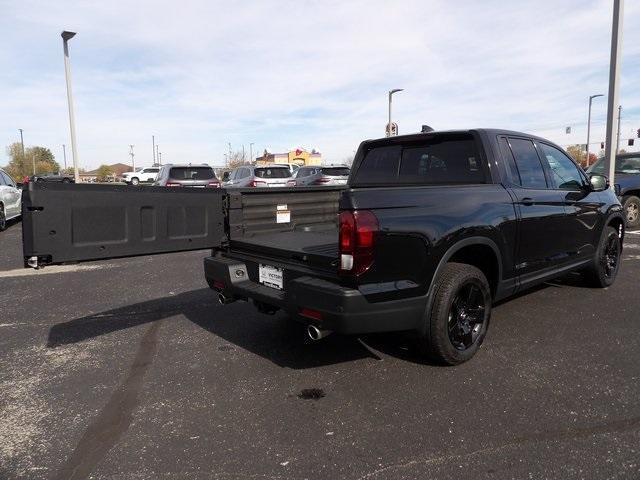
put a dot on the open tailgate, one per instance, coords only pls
(68, 222)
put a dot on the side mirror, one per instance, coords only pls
(599, 183)
(19, 185)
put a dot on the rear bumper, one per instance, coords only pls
(343, 310)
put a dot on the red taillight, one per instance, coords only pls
(322, 181)
(357, 238)
(257, 183)
(218, 284)
(173, 184)
(214, 184)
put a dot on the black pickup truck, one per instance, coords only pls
(429, 232)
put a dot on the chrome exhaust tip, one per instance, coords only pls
(223, 300)
(316, 333)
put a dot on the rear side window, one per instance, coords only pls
(335, 171)
(528, 163)
(440, 160)
(192, 173)
(2, 179)
(272, 172)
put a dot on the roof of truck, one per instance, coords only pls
(487, 131)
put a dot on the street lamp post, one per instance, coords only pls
(250, 152)
(391, 92)
(64, 155)
(589, 123)
(66, 36)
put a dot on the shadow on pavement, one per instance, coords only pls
(276, 338)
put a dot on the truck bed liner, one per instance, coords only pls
(315, 246)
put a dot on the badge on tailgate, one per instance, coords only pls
(270, 276)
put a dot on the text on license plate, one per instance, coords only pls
(270, 276)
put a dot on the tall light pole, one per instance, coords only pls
(391, 92)
(614, 82)
(158, 154)
(251, 152)
(589, 123)
(153, 144)
(64, 155)
(618, 139)
(133, 163)
(22, 143)
(66, 36)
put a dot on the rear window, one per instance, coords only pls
(439, 160)
(272, 172)
(192, 173)
(335, 171)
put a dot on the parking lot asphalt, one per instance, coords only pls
(129, 369)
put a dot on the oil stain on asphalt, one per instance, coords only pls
(115, 418)
(311, 394)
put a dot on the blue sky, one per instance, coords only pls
(310, 74)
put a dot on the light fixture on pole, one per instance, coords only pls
(66, 36)
(589, 123)
(390, 132)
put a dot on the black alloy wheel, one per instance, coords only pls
(610, 257)
(466, 316)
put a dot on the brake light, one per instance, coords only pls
(310, 313)
(322, 180)
(257, 183)
(173, 184)
(214, 184)
(357, 239)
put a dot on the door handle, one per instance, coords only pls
(528, 201)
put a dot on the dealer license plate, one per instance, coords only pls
(270, 276)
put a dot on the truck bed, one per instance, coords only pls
(310, 236)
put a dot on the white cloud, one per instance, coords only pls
(312, 73)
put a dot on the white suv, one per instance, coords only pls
(146, 175)
(10, 199)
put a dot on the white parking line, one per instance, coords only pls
(26, 272)
(632, 232)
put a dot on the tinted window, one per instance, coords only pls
(566, 175)
(380, 165)
(623, 165)
(335, 171)
(440, 160)
(510, 164)
(153, 170)
(192, 173)
(2, 179)
(274, 172)
(528, 163)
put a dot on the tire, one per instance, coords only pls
(459, 317)
(135, 181)
(3, 220)
(631, 205)
(606, 262)
(66, 180)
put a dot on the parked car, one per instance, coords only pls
(293, 168)
(329, 175)
(627, 184)
(142, 175)
(53, 177)
(10, 199)
(252, 176)
(173, 175)
(431, 231)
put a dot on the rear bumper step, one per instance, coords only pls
(343, 310)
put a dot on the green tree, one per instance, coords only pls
(22, 165)
(104, 173)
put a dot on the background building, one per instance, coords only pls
(299, 156)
